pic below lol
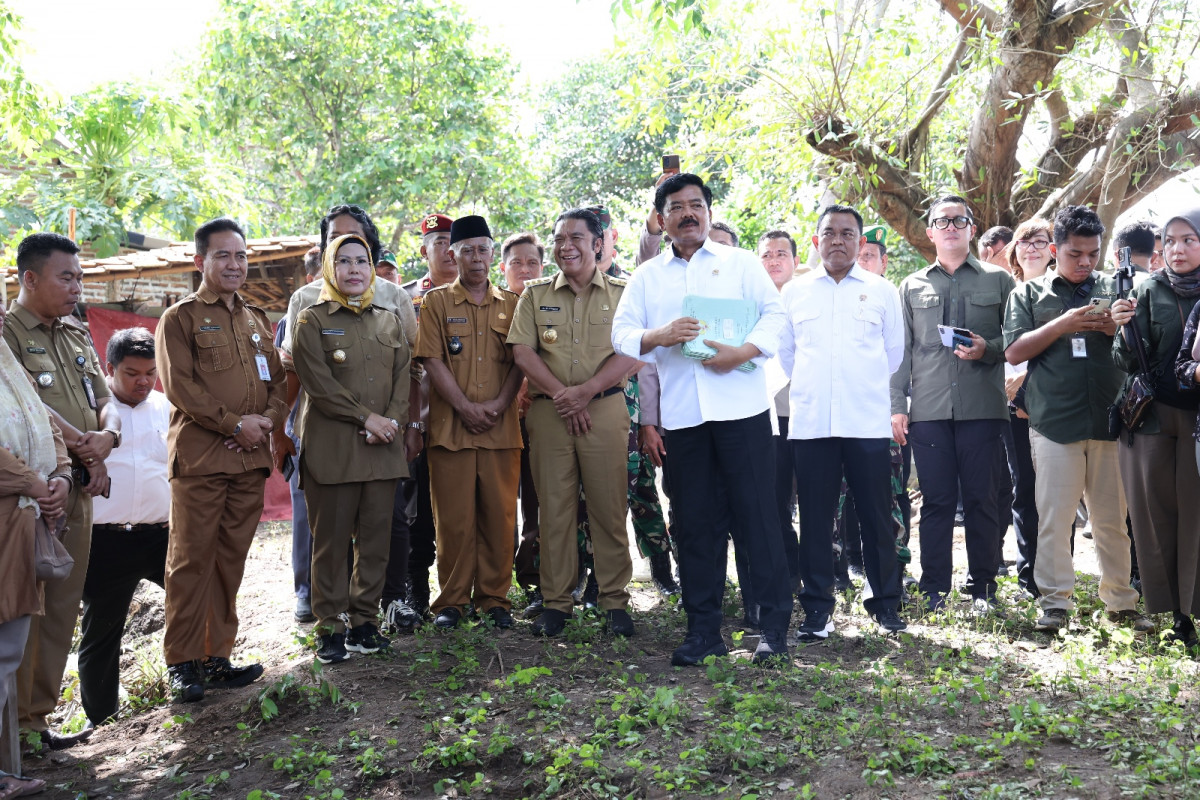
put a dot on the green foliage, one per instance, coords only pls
(392, 107)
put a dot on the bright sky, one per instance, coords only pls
(88, 42)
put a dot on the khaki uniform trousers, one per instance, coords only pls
(474, 494)
(341, 514)
(213, 519)
(598, 459)
(39, 679)
(1064, 472)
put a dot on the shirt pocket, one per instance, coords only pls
(805, 322)
(341, 354)
(390, 344)
(548, 321)
(459, 340)
(500, 351)
(599, 328)
(985, 316)
(868, 323)
(926, 315)
(213, 351)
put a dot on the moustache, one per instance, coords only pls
(689, 223)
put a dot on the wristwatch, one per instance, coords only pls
(116, 437)
(418, 426)
(237, 429)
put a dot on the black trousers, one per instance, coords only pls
(736, 455)
(395, 582)
(525, 544)
(1024, 504)
(867, 465)
(118, 563)
(422, 535)
(785, 502)
(950, 454)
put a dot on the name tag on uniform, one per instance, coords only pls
(37, 351)
(1078, 347)
(549, 308)
(456, 320)
(333, 332)
(263, 371)
(209, 328)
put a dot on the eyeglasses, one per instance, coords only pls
(345, 262)
(941, 223)
(1036, 244)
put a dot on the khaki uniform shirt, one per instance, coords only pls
(470, 340)
(207, 363)
(62, 362)
(571, 332)
(350, 365)
(943, 385)
(388, 296)
(1067, 398)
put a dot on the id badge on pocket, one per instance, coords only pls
(1078, 347)
(263, 371)
(90, 392)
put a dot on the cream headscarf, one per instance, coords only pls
(24, 424)
(330, 290)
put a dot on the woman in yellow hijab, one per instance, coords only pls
(352, 359)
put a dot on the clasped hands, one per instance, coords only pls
(255, 432)
(51, 496)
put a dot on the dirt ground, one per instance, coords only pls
(959, 707)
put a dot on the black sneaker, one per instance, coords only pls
(815, 628)
(1053, 620)
(448, 618)
(660, 573)
(536, 605)
(418, 594)
(220, 674)
(619, 622)
(696, 647)
(366, 638)
(1183, 631)
(890, 622)
(550, 623)
(187, 686)
(399, 617)
(772, 649)
(332, 649)
(500, 617)
(304, 613)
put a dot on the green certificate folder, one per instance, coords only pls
(721, 320)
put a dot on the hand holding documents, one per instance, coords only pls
(721, 320)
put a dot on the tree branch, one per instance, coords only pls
(941, 89)
(967, 13)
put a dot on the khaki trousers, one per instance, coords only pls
(39, 679)
(213, 519)
(1064, 473)
(560, 462)
(474, 494)
(341, 514)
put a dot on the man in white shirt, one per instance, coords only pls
(845, 337)
(717, 427)
(129, 529)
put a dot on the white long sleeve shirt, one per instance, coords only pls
(841, 345)
(140, 492)
(691, 393)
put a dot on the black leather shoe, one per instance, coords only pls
(448, 618)
(550, 623)
(619, 622)
(696, 647)
(500, 617)
(536, 605)
(220, 674)
(660, 573)
(64, 741)
(187, 684)
(772, 649)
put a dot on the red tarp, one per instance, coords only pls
(103, 323)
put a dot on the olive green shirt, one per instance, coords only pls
(350, 365)
(1159, 317)
(62, 362)
(1067, 398)
(571, 333)
(942, 385)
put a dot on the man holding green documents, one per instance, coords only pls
(714, 408)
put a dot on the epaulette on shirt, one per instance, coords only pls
(618, 281)
(433, 289)
(539, 281)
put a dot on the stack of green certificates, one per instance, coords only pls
(721, 320)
